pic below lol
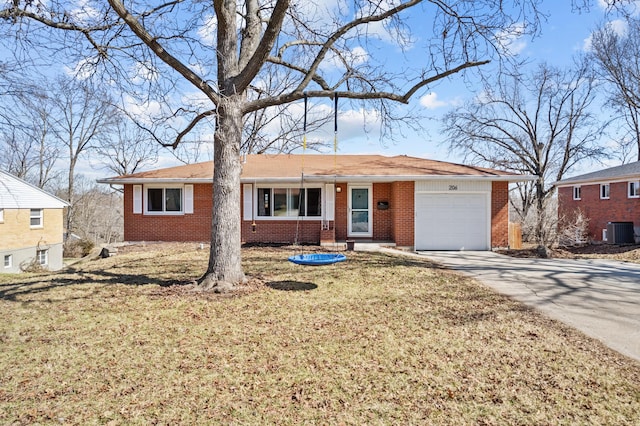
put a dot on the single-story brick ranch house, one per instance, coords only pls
(607, 198)
(404, 201)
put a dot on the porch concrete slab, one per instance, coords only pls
(601, 298)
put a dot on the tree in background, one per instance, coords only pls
(126, 148)
(616, 53)
(27, 150)
(82, 115)
(187, 62)
(540, 124)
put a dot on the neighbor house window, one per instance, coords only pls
(35, 218)
(1, 215)
(162, 200)
(42, 256)
(634, 189)
(577, 193)
(604, 191)
(289, 202)
(8, 261)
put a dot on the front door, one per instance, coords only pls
(360, 211)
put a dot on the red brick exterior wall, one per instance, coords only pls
(382, 219)
(394, 224)
(402, 206)
(188, 227)
(341, 211)
(499, 214)
(618, 208)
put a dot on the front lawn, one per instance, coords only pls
(374, 340)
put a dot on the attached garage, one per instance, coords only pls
(453, 215)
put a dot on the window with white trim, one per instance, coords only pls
(1, 215)
(35, 218)
(604, 191)
(8, 261)
(42, 256)
(164, 200)
(634, 189)
(577, 193)
(289, 202)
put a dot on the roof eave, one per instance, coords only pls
(603, 179)
(321, 178)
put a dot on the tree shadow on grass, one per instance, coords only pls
(100, 278)
(289, 285)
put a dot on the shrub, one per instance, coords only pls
(78, 248)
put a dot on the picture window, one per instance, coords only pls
(289, 202)
(161, 200)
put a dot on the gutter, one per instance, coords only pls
(326, 179)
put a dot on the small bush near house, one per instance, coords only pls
(78, 248)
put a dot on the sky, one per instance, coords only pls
(564, 34)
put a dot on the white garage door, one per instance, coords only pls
(452, 222)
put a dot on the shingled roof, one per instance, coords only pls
(625, 171)
(289, 167)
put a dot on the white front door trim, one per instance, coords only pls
(351, 232)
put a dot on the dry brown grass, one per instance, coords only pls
(374, 340)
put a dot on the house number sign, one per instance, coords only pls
(453, 187)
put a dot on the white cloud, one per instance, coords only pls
(142, 111)
(354, 57)
(617, 26)
(84, 13)
(82, 70)
(208, 30)
(510, 40)
(431, 101)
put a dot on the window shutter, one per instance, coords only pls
(330, 201)
(188, 199)
(137, 199)
(247, 192)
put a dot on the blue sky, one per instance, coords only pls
(561, 36)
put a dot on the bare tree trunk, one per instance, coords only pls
(225, 265)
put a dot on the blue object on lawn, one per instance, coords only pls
(317, 259)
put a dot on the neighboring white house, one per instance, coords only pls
(31, 226)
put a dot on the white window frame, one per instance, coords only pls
(633, 189)
(577, 192)
(1, 215)
(164, 211)
(40, 217)
(605, 194)
(288, 188)
(9, 258)
(42, 257)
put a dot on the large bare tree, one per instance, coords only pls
(27, 149)
(540, 124)
(82, 114)
(616, 52)
(224, 50)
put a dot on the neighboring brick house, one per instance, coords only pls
(605, 198)
(31, 226)
(404, 201)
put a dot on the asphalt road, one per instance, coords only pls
(601, 298)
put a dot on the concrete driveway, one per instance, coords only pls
(599, 297)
